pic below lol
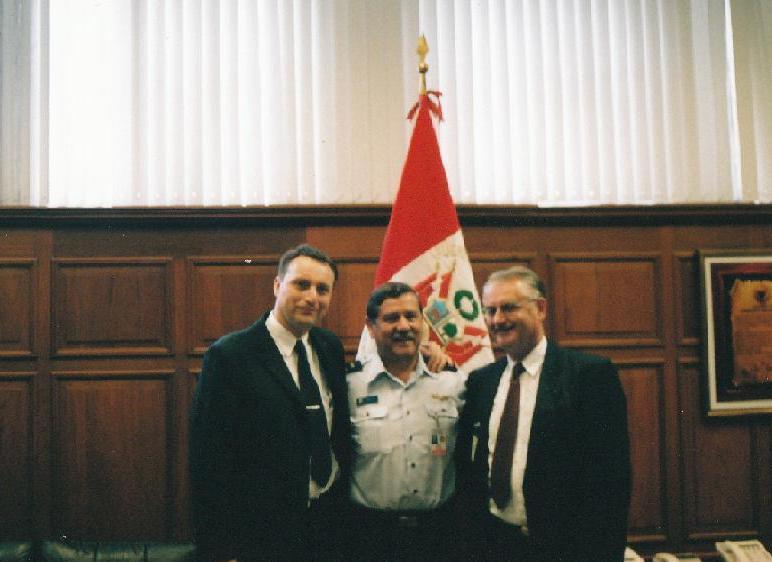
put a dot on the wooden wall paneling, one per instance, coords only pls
(113, 306)
(347, 312)
(226, 294)
(356, 250)
(763, 461)
(606, 299)
(668, 295)
(209, 237)
(719, 471)
(183, 525)
(180, 528)
(18, 294)
(643, 383)
(103, 397)
(688, 315)
(504, 238)
(112, 458)
(693, 237)
(485, 263)
(42, 418)
(178, 448)
(760, 238)
(350, 241)
(16, 455)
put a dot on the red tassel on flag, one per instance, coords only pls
(434, 107)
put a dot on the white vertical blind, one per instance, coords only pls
(225, 102)
(752, 40)
(573, 103)
(16, 98)
(246, 102)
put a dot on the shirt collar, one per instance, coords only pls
(534, 361)
(284, 339)
(373, 369)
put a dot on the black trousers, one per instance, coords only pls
(316, 536)
(502, 541)
(403, 536)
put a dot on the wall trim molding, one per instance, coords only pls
(378, 215)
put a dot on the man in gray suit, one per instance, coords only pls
(542, 452)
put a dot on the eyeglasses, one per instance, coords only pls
(507, 308)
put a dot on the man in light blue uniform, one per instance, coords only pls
(404, 430)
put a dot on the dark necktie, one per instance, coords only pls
(321, 459)
(501, 467)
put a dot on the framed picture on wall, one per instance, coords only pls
(737, 331)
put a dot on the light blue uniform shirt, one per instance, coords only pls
(404, 436)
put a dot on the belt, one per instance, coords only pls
(405, 519)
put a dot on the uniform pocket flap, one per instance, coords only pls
(445, 409)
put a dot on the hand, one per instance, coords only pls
(434, 356)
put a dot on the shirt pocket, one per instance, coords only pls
(445, 413)
(369, 428)
(443, 417)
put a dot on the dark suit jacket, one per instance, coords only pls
(577, 478)
(250, 449)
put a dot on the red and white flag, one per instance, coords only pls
(424, 247)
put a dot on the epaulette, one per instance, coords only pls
(353, 367)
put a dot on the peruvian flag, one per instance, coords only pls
(424, 248)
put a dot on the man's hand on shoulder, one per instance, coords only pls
(435, 357)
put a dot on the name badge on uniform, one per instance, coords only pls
(439, 444)
(364, 400)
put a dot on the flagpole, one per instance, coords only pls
(424, 247)
(423, 67)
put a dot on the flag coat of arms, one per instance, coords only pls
(424, 247)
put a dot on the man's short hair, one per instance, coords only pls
(308, 251)
(520, 273)
(389, 290)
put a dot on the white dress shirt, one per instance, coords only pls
(514, 512)
(285, 341)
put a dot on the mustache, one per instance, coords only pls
(502, 328)
(403, 336)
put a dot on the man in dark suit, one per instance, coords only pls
(543, 451)
(270, 428)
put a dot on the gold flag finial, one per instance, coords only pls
(423, 67)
